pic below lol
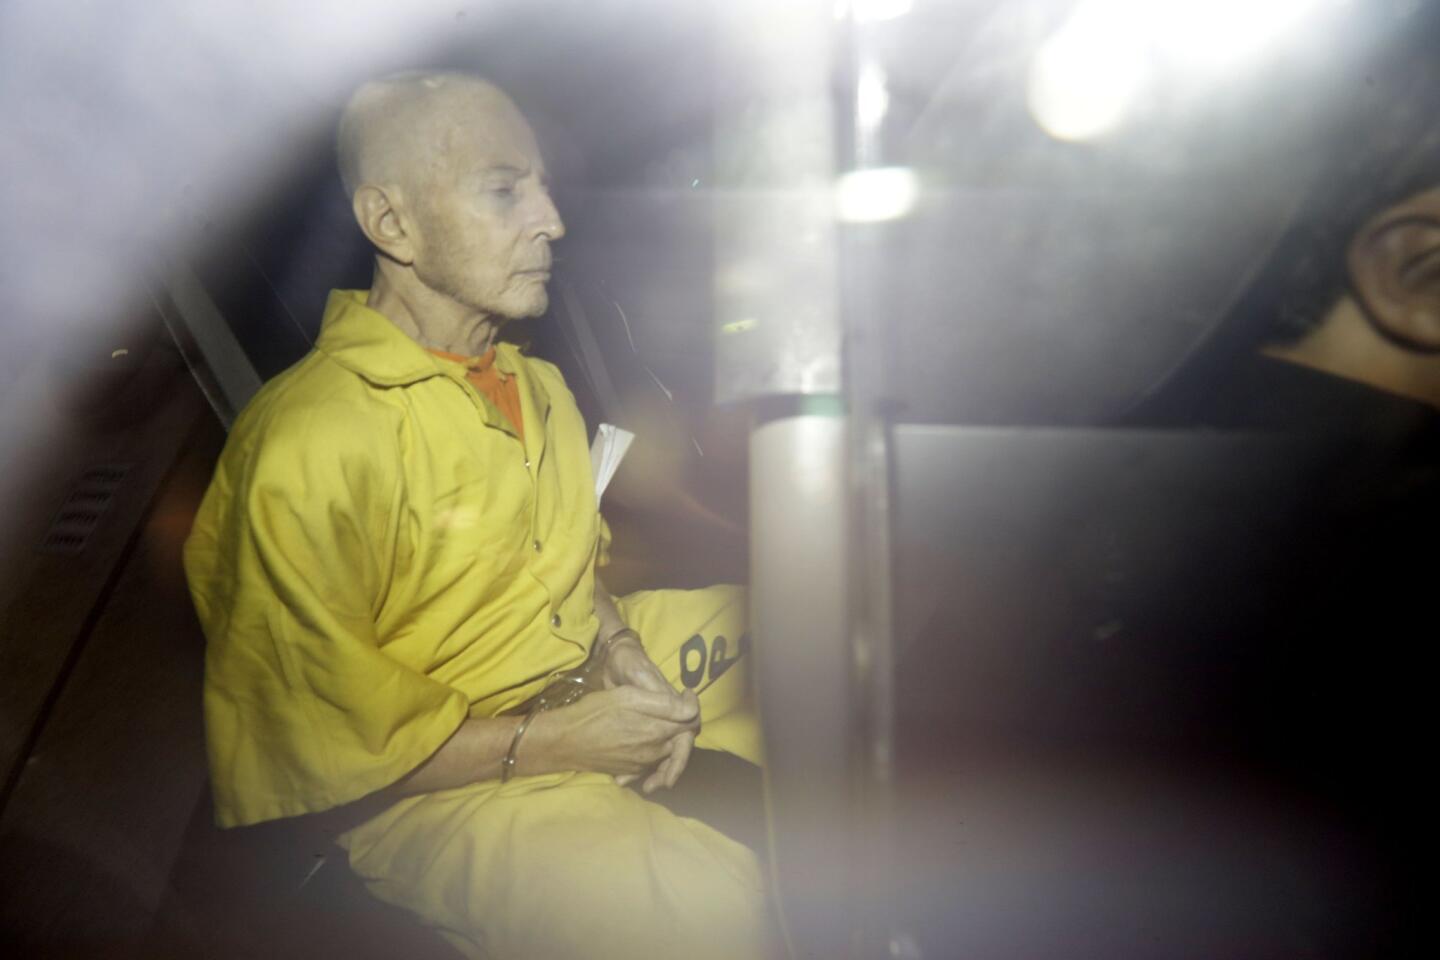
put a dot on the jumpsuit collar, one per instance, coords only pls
(365, 342)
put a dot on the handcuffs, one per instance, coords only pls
(567, 687)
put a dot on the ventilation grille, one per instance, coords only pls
(83, 509)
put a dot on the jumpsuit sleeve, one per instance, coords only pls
(287, 564)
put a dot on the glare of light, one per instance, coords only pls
(872, 11)
(1084, 80)
(872, 99)
(1220, 34)
(873, 195)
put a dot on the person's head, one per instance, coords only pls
(1352, 286)
(1381, 256)
(446, 182)
(1358, 235)
(1374, 316)
(1392, 271)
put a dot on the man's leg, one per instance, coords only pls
(571, 865)
(565, 867)
(700, 640)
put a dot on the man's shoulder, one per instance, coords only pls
(316, 403)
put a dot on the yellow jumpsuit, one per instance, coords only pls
(379, 557)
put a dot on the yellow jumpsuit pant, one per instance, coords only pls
(574, 866)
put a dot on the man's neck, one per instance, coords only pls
(431, 319)
(1347, 345)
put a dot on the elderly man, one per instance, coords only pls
(398, 555)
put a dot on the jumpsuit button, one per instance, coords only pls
(555, 620)
(527, 464)
(537, 546)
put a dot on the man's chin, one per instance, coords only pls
(521, 305)
(529, 307)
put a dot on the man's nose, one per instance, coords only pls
(548, 222)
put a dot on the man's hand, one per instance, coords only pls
(623, 732)
(627, 664)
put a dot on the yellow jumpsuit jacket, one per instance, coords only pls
(379, 557)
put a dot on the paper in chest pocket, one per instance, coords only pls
(609, 448)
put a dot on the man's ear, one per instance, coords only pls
(382, 223)
(1394, 266)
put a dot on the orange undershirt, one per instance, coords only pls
(496, 386)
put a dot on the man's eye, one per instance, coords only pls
(503, 189)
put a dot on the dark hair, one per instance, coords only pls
(1386, 150)
(1388, 153)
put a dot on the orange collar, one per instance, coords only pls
(478, 364)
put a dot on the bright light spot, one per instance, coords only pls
(873, 11)
(872, 100)
(1085, 80)
(117, 354)
(869, 196)
(1220, 34)
(1086, 77)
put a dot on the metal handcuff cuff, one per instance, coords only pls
(565, 688)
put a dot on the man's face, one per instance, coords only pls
(485, 215)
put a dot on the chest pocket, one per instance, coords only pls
(467, 509)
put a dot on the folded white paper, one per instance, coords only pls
(609, 448)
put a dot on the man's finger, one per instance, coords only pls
(662, 706)
(657, 776)
(679, 757)
(668, 773)
(649, 677)
(632, 667)
(660, 776)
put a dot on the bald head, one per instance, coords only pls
(447, 183)
(396, 129)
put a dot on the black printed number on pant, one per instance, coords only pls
(696, 658)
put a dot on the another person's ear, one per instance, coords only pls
(1394, 267)
(383, 224)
